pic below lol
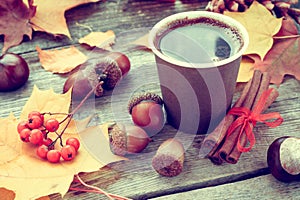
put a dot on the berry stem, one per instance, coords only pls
(83, 100)
(69, 117)
(62, 132)
(58, 136)
(50, 113)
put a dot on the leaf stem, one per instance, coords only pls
(286, 37)
(96, 190)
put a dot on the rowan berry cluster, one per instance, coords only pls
(36, 129)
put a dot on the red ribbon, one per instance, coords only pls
(247, 120)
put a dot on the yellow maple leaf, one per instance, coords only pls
(30, 177)
(50, 15)
(99, 39)
(61, 60)
(142, 41)
(246, 70)
(261, 26)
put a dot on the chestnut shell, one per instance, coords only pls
(14, 72)
(273, 159)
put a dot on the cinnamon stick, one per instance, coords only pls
(234, 156)
(217, 137)
(214, 139)
(231, 140)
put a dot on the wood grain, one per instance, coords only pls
(266, 187)
(136, 178)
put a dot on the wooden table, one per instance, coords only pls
(200, 179)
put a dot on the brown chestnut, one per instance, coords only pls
(283, 158)
(81, 85)
(14, 72)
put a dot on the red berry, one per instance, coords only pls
(122, 61)
(36, 113)
(148, 115)
(52, 125)
(21, 126)
(25, 134)
(73, 142)
(53, 156)
(42, 151)
(34, 122)
(68, 152)
(47, 141)
(44, 131)
(36, 136)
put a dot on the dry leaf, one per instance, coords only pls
(283, 58)
(142, 41)
(6, 194)
(246, 70)
(62, 60)
(30, 177)
(50, 15)
(14, 21)
(261, 26)
(10, 195)
(101, 40)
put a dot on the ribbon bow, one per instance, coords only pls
(247, 120)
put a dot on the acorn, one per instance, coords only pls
(169, 158)
(103, 73)
(127, 139)
(122, 60)
(283, 158)
(147, 112)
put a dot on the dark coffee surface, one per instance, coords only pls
(197, 43)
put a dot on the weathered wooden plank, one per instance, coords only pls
(136, 178)
(263, 187)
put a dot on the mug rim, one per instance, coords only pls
(193, 15)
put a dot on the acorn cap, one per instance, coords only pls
(144, 97)
(109, 72)
(117, 140)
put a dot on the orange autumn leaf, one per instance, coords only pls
(6, 194)
(10, 195)
(261, 26)
(102, 40)
(29, 177)
(283, 59)
(61, 60)
(50, 15)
